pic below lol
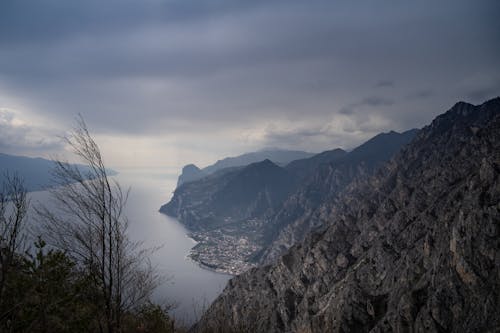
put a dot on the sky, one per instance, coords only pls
(166, 83)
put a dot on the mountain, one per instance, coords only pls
(189, 173)
(36, 172)
(245, 215)
(303, 168)
(278, 156)
(414, 248)
(303, 211)
(230, 194)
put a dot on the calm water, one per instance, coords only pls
(190, 287)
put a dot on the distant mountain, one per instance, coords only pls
(268, 205)
(414, 248)
(189, 173)
(36, 172)
(278, 156)
(304, 167)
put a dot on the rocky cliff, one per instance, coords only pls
(416, 248)
(190, 173)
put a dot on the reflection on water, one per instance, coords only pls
(188, 286)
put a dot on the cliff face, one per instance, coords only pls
(414, 248)
(190, 173)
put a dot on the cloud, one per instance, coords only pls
(421, 94)
(17, 137)
(384, 84)
(372, 101)
(481, 94)
(193, 69)
(337, 130)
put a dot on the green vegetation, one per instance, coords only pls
(48, 292)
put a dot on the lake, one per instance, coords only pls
(190, 287)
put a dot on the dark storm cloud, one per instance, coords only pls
(179, 66)
(26, 21)
(421, 94)
(482, 94)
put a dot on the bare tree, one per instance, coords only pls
(13, 209)
(87, 220)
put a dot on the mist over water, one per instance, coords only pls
(187, 285)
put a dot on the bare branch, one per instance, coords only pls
(88, 223)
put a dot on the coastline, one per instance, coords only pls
(210, 267)
(206, 246)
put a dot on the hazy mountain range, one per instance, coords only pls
(35, 172)
(278, 156)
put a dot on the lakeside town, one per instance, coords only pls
(224, 250)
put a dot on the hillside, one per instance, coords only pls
(304, 210)
(414, 248)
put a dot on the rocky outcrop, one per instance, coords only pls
(190, 173)
(415, 248)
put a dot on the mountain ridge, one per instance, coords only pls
(303, 211)
(34, 171)
(191, 172)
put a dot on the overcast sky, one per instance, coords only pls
(165, 83)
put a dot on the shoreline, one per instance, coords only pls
(208, 267)
(194, 254)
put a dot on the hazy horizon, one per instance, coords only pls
(166, 83)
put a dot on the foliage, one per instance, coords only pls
(47, 292)
(149, 318)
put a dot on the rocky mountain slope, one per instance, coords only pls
(280, 157)
(304, 210)
(415, 248)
